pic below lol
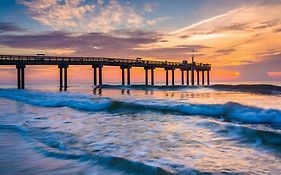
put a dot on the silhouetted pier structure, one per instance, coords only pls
(97, 63)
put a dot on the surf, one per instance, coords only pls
(229, 111)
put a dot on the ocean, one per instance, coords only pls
(111, 129)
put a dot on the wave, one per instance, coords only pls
(44, 143)
(255, 88)
(57, 99)
(253, 134)
(230, 111)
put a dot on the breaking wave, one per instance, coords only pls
(229, 111)
(47, 143)
(254, 88)
(57, 99)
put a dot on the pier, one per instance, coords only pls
(97, 63)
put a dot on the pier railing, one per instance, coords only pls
(45, 60)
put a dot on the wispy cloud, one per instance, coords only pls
(239, 36)
(150, 7)
(10, 27)
(82, 16)
(119, 43)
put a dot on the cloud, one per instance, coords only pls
(258, 70)
(84, 44)
(57, 14)
(150, 7)
(9, 27)
(156, 20)
(240, 36)
(277, 30)
(274, 74)
(119, 43)
(177, 52)
(225, 51)
(85, 16)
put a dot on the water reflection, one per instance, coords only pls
(128, 92)
(97, 91)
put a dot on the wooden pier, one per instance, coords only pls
(97, 63)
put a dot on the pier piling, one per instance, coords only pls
(20, 76)
(95, 75)
(152, 76)
(146, 76)
(100, 75)
(63, 76)
(123, 76)
(173, 77)
(128, 76)
(167, 77)
(203, 78)
(182, 77)
(198, 83)
(208, 77)
(187, 77)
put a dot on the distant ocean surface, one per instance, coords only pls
(111, 129)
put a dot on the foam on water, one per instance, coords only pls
(50, 144)
(252, 88)
(57, 99)
(255, 88)
(229, 111)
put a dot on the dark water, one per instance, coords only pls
(221, 129)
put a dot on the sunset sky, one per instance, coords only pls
(240, 38)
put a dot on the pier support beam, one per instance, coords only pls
(128, 76)
(182, 77)
(152, 76)
(95, 67)
(128, 68)
(167, 77)
(198, 83)
(100, 75)
(146, 76)
(123, 76)
(20, 76)
(173, 77)
(63, 76)
(208, 77)
(95, 75)
(192, 76)
(61, 81)
(187, 77)
(203, 78)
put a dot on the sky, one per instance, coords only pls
(240, 38)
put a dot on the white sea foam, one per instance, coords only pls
(57, 99)
(229, 111)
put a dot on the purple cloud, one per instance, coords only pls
(9, 27)
(121, 43)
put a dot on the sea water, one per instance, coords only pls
(113, 129)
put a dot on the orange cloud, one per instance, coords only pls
(274, 74)
(247, 34)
